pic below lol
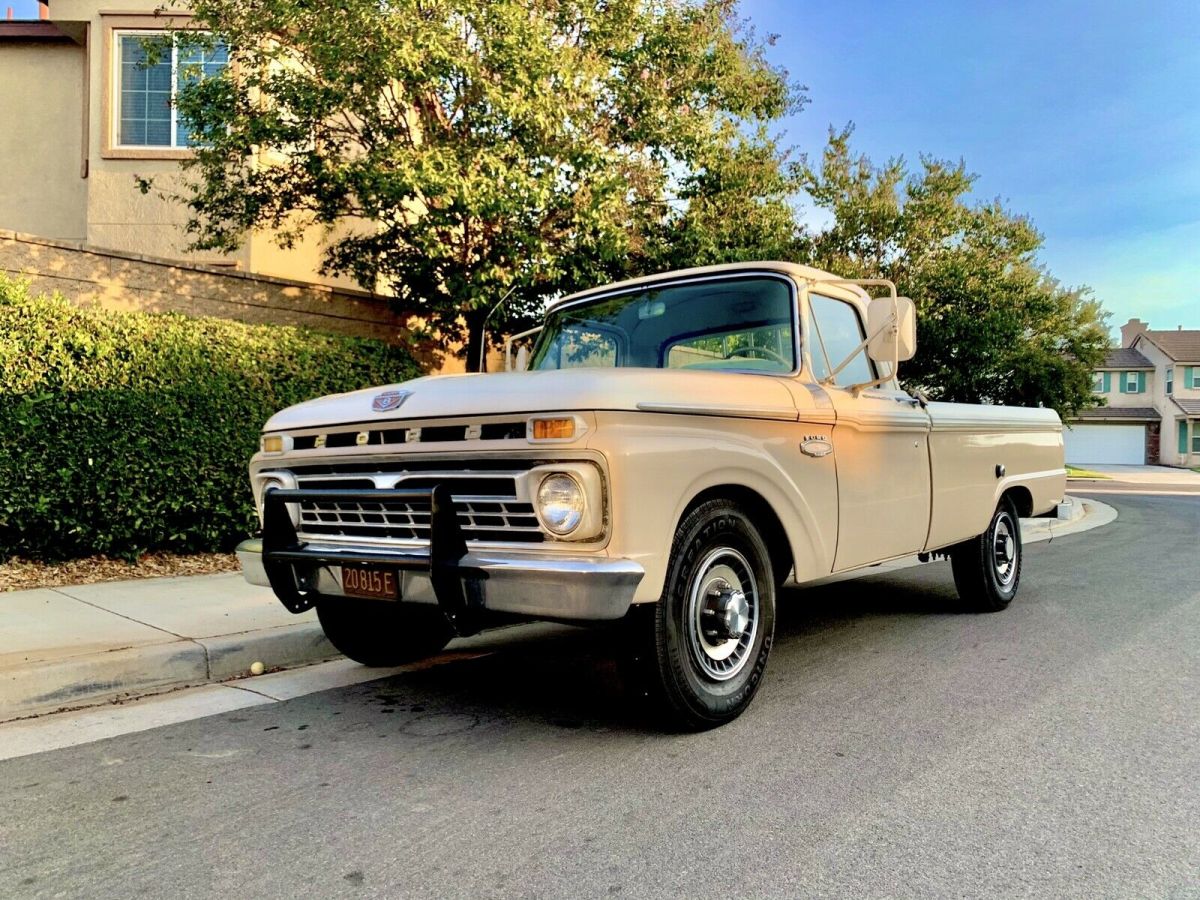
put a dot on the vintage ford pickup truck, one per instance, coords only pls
(680, 448)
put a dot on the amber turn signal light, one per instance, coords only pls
(552, 429)
(272, 443)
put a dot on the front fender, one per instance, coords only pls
(660, 463)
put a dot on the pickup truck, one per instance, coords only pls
(672, 452)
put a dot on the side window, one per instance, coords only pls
(834, 331)
(1098, 382)
(583, 348)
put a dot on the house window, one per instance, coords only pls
(1131, 382)
(148, 81)
(1170, 380)
(1195, 376)
(1098, 382)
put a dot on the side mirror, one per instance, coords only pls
(522, 361)
(893, 329)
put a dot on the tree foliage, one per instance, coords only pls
(459, 150)
(993, 326)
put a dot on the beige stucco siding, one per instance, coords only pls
(266, 257)
(1116, 397)
(41, 136)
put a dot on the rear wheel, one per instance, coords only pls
(705, 643)
(382, 633)
(987, 569)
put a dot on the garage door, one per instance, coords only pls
(1113, 444)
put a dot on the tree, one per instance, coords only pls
(993, 326)
(458, 151)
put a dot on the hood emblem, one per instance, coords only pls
(816, 446)
(389, 400)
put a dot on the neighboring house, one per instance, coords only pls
(1151, 389)
(82, 116)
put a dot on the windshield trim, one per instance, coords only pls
(793, 293)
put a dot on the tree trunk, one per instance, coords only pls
(475, 336)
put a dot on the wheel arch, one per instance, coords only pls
(1022, 498)
(767, 522)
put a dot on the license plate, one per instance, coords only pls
(370, 581)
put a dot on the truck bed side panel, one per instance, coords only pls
(967, 445)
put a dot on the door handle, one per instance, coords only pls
(910, 401)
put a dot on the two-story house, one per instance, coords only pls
(1151, 391)
(84, 113)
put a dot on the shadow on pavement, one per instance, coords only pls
(582, 679)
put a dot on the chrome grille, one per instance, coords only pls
(489, 506)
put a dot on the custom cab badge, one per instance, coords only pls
(389, 400)
(815, 445)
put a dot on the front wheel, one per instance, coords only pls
(380, 632)
(705, 643)
(987, 569)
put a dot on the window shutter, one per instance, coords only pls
(1183, 435)
(1107, 382)
(1141, 382)
(1188, 380)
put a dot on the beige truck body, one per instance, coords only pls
(839, 479)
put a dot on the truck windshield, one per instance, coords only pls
(741, 323)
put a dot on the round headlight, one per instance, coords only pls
(560, 503)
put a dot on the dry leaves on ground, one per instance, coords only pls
(21, 574)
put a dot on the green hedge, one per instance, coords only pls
(127, 432)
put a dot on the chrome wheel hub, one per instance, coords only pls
(725, 614)
(722, 614)
(1004, 549)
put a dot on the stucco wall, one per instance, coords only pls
(41, 135)
(1116, 397)
(121, 217)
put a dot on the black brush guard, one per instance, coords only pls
(458, 588)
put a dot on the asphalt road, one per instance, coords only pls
(899, 748)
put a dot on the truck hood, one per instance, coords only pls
(448, 396)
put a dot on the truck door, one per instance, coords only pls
(880, 445)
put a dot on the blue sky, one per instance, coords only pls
(1083, 115)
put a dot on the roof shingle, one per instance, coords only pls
(1181, 345)
(1135, 413)
(1126, 358)
(1191, 407)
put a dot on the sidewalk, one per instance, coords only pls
(1147, 475)
(83, 645)
(79, 645)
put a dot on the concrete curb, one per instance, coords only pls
(1083, 515)
(113, 675)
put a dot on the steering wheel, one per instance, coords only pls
(765, 351)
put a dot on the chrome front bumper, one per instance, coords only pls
(548, 586)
